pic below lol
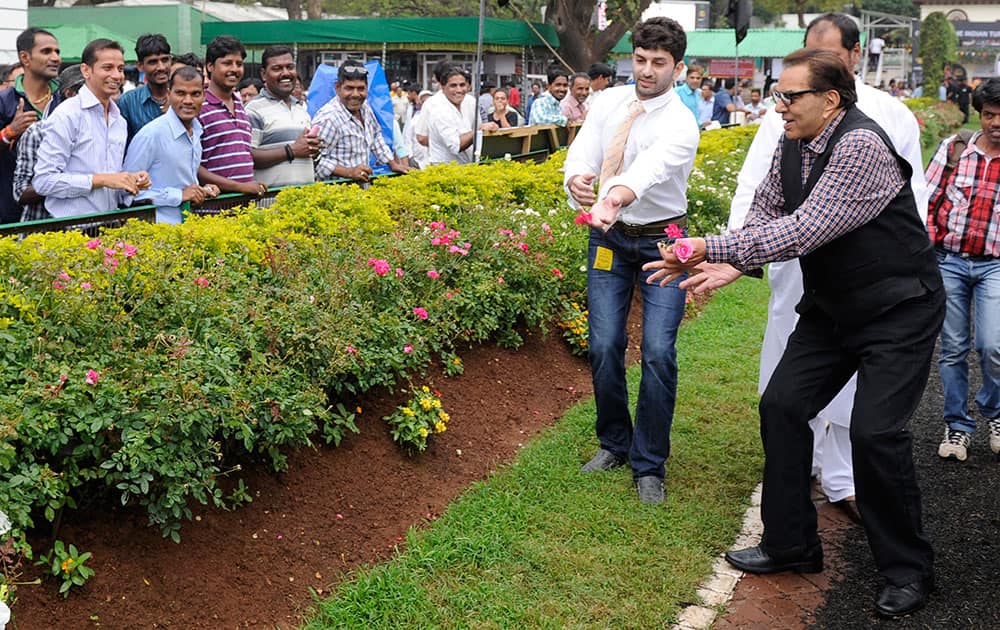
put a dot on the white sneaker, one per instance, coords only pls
(955, 444)
(994, 425)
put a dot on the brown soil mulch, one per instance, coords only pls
(335, 510)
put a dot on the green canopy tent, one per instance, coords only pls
(443, 33)
(73, 38)
(720, 43)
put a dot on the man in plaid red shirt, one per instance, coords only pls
(964, 224)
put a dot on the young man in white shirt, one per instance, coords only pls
(642, 191)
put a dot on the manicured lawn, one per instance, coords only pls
(540, 545)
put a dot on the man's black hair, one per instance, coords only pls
(184, 73)
(190, 59)
(556, 71)
(151, 44)
(600, 70)
(661, 33)
(26, 40)
(987, 93)
(224, 45)
(89, 56)
(849, 34)
(274, 51)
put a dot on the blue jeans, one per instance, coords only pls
(969, 282)
(609, 293)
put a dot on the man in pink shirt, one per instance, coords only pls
(573, 105)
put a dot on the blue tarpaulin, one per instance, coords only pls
(323, 88)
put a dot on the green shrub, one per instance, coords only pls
(150, 363)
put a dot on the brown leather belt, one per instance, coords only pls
(649, 229)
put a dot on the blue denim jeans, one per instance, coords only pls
(609, 293)
(970, 284)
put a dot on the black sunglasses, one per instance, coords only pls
(789, 97)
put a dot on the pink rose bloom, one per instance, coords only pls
(523, 247)
(381, 267)
(129, 250)
(420, 312)
(500, 280)
(92, 377)
(584, 218)
(201, 281)
(399, 272)
(557, 273)
(674, 232)
(84, 285)
(408, 348)
(433, 275)
(64, 276)
(58, 285)
(94, 243)
(351, 350)
(683, 250)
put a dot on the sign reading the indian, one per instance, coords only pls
(978, 34)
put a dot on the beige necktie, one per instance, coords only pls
(614, 155)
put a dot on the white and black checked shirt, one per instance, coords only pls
(24, 170)
(345, 140)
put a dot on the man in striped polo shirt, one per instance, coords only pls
(226, 158)
(282, 147)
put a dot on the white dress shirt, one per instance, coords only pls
(658, 157)
(445, 123)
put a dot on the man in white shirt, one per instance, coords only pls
(832, 447)
(451, 120)
(642, 192)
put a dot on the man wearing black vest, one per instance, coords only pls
(838, 198)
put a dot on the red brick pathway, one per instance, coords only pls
(787, 600)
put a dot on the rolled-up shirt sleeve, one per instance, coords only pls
(50, 179)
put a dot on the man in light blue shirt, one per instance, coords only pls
(79, 168)
(691, 90)
(169, 148)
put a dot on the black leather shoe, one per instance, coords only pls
(896, 601)
(603, 460)
(756, 560)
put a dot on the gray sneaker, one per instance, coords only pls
(604, 460)
(955, 444)
(650, 489)
(994, 425)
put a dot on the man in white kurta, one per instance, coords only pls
(832, 452)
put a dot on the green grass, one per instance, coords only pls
(540, 545)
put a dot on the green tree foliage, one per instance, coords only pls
(774, 8)
(938, 45)
(893, 7)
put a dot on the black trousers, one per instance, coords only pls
(892, 355)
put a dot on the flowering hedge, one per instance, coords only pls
(153, 361)
(936, 119)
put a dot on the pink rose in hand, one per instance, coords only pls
(683, 249)
(584, 218)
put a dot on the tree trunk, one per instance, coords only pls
(294, 8)
(314, 9)
(580, 43)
